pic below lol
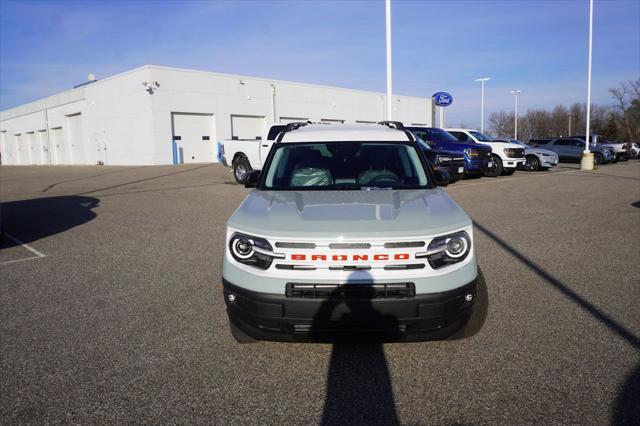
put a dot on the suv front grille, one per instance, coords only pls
(380, 256)
(351, 291)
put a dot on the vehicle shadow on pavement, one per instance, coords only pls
(359, 389)
(627, 405)
(32, 220)
(627, 408)
(147, 179)
(605, 319)
(110, 172)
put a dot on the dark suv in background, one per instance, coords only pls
(477, 158)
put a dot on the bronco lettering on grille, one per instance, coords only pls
(350, 258)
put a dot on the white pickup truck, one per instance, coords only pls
(244, 155)
(507, 157)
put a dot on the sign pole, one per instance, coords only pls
(587, 156)
(433, 112)
(441, 100)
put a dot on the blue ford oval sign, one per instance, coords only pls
(443, 99)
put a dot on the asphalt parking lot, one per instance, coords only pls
(112, 311)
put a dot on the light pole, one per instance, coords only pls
(482, 80)
(387, 10)
(587, 157)
(515, 94)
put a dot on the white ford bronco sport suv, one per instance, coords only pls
(507, 156)
(346, 235)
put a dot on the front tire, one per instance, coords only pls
(240, 169)
(497, 166)
(532, 164)
(479, 311)
(598, 158)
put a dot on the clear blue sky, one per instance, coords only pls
(539, 46)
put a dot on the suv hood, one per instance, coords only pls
(502, 144)
(543, 151)
(347, 214)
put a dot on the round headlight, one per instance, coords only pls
(243, 248)
(456, 246)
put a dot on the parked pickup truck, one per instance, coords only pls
(507, 157)
(347, 235)
(244, 155)
(537, 158)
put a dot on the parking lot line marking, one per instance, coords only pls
(512, 179)
(26, 246)
(21, 260)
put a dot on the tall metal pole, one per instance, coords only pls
(387, 9)
(586, 162)
(515, 133)
(482, 109)
(482, 80)
(586, 145)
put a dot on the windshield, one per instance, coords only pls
(481, 136)
(423, 145)
(434, 135)
(345, 165)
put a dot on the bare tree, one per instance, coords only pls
(627, 100)
(501, 124)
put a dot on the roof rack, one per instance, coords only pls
(291, 126)
(393, 124)
(295, 125)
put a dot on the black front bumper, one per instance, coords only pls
(453, 170)
(348, 317)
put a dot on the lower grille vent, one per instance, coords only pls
(351, 291)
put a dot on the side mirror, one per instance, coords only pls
(442, 177)
(251, 179)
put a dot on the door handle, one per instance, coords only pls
(264, 146)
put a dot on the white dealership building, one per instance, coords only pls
(159, 115)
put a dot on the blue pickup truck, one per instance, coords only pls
(477, 157)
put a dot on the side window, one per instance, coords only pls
(422, 135)
(274, 131)
(561, 142)
(460, 136)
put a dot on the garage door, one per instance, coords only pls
(30, 147)
(60, 151)
(247, 127)
(76, 142)
(10, 149)
(286, 120)
(4, 158)
(19, 153)
(42, 157)
(194, 138)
